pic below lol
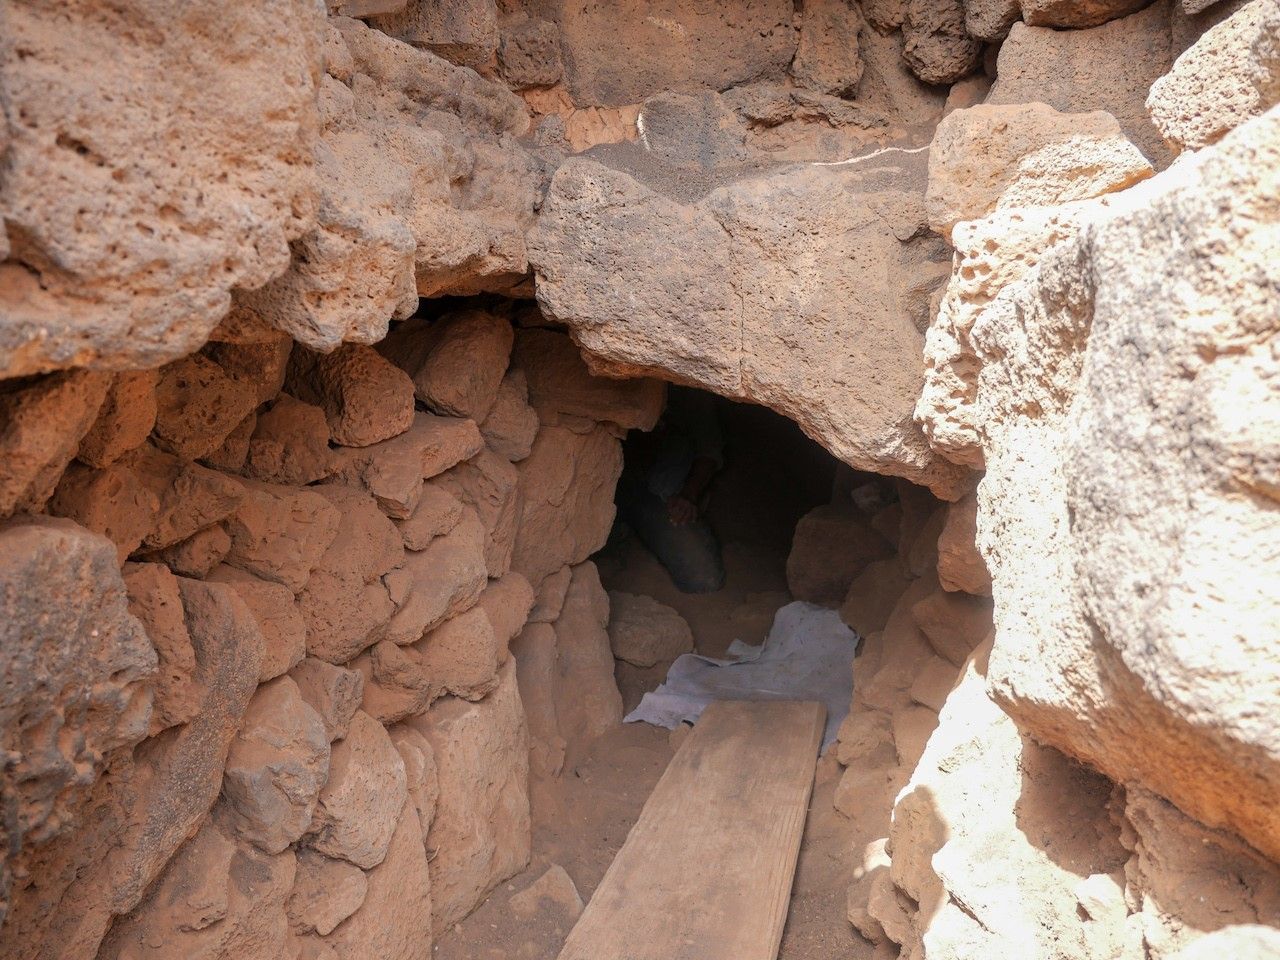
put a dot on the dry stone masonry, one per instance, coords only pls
(320, 330)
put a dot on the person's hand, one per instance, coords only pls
(681, 510)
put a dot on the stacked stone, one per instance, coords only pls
(275, 709)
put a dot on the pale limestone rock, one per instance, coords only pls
(456, 362)
(567, 484)
(277, 764)
(933, 683)
(124, 420)
(1240, 942)
(40, 430)
(325, 892)
(560, 384)
(511, 426)
(1219, 82)
(960, 565)
(124, 261)
(364, 397)
(333, 692)
(481, 830)
(1024, 155)
(289, 444)
(1102, 648)
(345, 603)
(644, 632)
(844, 362)
(360, 805)
(111, 502)
(1111, 68)
(831, 546)
(281, 533)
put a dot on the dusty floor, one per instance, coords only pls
(581, 819)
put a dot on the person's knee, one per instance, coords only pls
(697, 567)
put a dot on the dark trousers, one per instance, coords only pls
(690, 552)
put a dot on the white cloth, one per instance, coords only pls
(808, 655)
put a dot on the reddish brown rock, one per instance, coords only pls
(261, 362)
(561, 385)
(827, 57)
(1076, 14)
(438, 512)
(325, 892)
(512, 425)
(365, 398)
(197, 406)
(832, 545)
(463, 654)
(281, 533)
(456, 362)
(111, 502)
(588, 702)
(284, 630)
(481, 830)
(489, 484)
(289, 444)
(154, 599)
(191, 497)
(198, 554)
(537, 670)
(439, 582)
(393, 470)
(567, 484)
(333, 692)
(937, 47)
(507, 602)
(345, 603)
(529, 53)
(644, 632)
(360, 804)
(277, 764)
(40, 430)
(125, 419)
(235, 449)
(464, 32)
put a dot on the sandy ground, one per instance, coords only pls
(581, 819)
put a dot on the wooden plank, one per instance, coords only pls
(706, 872)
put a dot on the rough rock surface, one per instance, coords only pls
(644, 632)
(116, 257)
(843, 362)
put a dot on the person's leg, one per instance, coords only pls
(690, 552)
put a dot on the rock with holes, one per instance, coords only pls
(124, 420)
(827, 53)
(1027, 155)
(1220, 82)
(465, 33)
(154, 599)
(111, 502)
(281, 533)
(289, 444)
(333, 692)
(325, 892)
(365, 399)
(438, 582)
(1076, 14)
(283, 627)
(437, 513)
(125, 264)
(960, 565)
(936, 46)
(197, 406)
(489, 484)
(191, 497)
(41, 426)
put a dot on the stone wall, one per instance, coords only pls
(272, 526)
